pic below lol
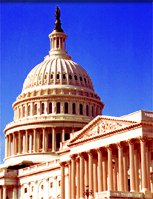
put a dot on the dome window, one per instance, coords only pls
(35, 109)
(57, 76)
(81, 79)
(51, 76)
(50, 107)
(49, 140)
(64, 76)
(58, 140)
(73, 108)
(85, 80)
(24, 111)
(75, 77)
(81, 109)
(66, 108)
(42, 108)
(70, 76)
(58, 107)
(28, 110)
(87, 110)
(92, 111)
(67, 136)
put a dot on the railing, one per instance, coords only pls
(39, 167)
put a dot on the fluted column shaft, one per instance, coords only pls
(62, 181)
(34, 141)
(69, 178)
(110, 169)
(19, 144)
(63, 135)
(90, 157)
(73, 167)
(78, 177)
(26, 139)
(14, 192)
(143, 164)
(81, 176)
(120, 165)
(4, 192)
(104, 171)
(125, 173)
(100, 183)
(132, 175)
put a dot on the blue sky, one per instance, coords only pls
(112, 41)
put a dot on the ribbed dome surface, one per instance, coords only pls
(57, 71)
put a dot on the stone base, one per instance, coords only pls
(118, 195)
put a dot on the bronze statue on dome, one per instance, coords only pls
(58, 21)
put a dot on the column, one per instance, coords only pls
(69, 179)
(95, 188)
(30, 143)
(4, 192)
(53, 140)
(26, 140)
(86, 172)
(90, 157)
(62, 180)
(148, 157)
(43, 145)
(34, 141)
(19, 144)
(6, 146)
(1, 192)
(125, 172)
(132, 175)
(13, 150)
(100, 183)
(63, 135)
(136, 170)
(115, 175)
(73, 189)
(81, 176)
(143, 164)
(110, 169)
(120, 166)
(78, 177)
(14, 192)
(104, 172)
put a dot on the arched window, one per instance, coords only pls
(19, 112)
(40, 140)
(81, 109)
(75, 77)
(50, 140)
(58, 107)
(50, 107)
(73, 108)
(92, 111)
(42, 108)
(57, 76)
(23, 111)
(51, 76)
(58, 140)
(70, 76)
(87, 110)
(35, 109)
(64, 76)
(28, 110)
(81, 79)
(67, 136)
(66, 108)
(57, 44)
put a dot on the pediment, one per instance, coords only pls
(99, 127)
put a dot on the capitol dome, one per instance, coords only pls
(57, 99)
(54, 72)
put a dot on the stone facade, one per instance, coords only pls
(60, 146)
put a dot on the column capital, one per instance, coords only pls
(119, 145)
(142, 138)
(131, 141)
(73, 157)
(99, 150)
(62, 164)
(109, 147)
